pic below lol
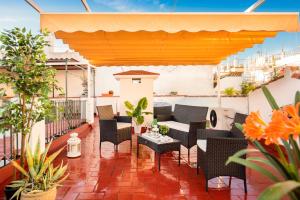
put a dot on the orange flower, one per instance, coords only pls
(254, 127)
(292, 119)
(285, 122)
(276, 128)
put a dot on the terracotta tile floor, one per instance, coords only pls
(120, 175)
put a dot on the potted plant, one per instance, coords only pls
(230, 91)
(163, 130)
(137, 113)
(41, 177)
(284, 129)
(25, 71)
(246, 88)
(111, 92)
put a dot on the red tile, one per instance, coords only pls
(90, 196)
(121, 176)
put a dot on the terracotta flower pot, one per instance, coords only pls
(47, 195)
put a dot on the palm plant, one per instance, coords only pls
(284, 128)
(137, 113)
(41, 174)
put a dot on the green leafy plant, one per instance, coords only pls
(246, 88)
(40, 175)
(25, 71)
(283, 128)
(137, 113)
(230, 91)
(154, 122)
(163, 129)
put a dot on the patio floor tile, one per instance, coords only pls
(120, 175)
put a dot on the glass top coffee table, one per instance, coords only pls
(160, 144)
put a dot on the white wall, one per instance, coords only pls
(231, 81)
(75, 88)
(133, 92)
(283, 91)
(190, 80)
(187, 80)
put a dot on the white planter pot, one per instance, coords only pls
(137, 129)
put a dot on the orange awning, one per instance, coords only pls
(110, 39)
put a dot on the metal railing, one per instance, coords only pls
(66, 115)
(9, 145)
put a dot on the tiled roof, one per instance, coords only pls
(136, 72)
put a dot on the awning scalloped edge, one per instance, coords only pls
(170, 22)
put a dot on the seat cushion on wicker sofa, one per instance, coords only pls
(121, 125)
(176, 125)
(202, 144)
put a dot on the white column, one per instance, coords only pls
(38, 133)
(89, 102)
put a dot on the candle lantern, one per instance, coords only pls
(74, 146)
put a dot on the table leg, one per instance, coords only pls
(158, 161)
(179, 157)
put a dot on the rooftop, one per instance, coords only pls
(136, 72)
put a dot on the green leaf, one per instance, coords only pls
(278, 190)
(19, 168)
(239, 126)
(253, 166)
(48, 161)
(243, 152)
(295, 150)
(274, 160)
(147, 113)
(30, 161)
(140, 120)
(128, 105)
(129, 113)
(270, 98)
(143, 103)
(292, 167)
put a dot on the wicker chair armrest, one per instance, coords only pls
(203, 134)
(125, 119)
(162, 117)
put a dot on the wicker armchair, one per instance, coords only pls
(215, 146)
(114, 129)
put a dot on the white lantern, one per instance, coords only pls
(74, 146)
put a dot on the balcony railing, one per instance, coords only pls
(66, 115)
(9, 145)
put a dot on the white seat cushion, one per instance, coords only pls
(176, 125)
(121, 125)
(202, 144)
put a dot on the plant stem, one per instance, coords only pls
(23, 131)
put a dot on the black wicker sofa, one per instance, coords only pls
(184, 122)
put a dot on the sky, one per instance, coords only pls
(17, 13)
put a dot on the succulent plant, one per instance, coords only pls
(41, 174)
